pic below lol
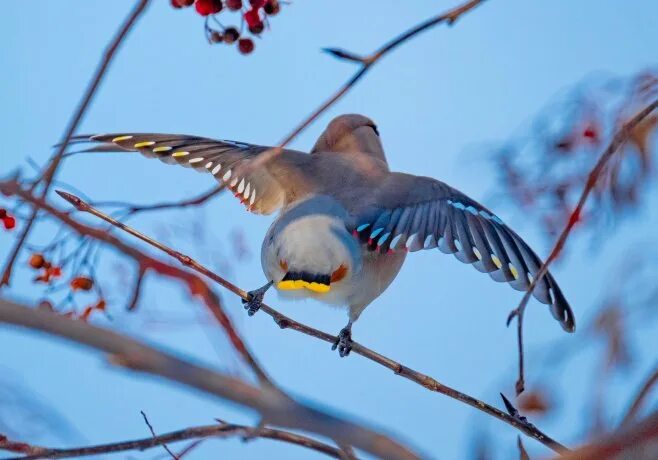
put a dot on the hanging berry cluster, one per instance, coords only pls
(49, 271)
(253, 13)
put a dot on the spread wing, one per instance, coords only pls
(260, 190)
(412, 213)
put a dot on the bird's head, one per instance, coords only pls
(351, 133)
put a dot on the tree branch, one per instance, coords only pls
(135, 208)
(79, 113)
(195, 284)
(637, 441)
(365, 64)
(274, 406)
(153, 435)
(640, 398)
(617, 141)
(222, 430)
(280, 319)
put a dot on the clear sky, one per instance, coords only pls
(442, 102)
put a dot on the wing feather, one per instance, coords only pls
(412, 213)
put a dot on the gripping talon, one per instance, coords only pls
(344, 341)
(255, 299)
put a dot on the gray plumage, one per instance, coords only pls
(345, 217)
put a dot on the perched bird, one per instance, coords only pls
(346, 222)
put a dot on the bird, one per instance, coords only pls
(346, 222)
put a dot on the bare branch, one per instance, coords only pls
(221, 431)
(137, 208)
(523, 454)
(196, 285)
(617, 141)
(636, 441)
(49, 174)
(164, 444)
(275, 407)
(286, 322)
(640, 398)
(366, 63)
(137, 290)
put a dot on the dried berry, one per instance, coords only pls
(181, 3)
(55, 272)
(216, 37)
(246, 45)
(208, 7)
(37, 261)
(255, 4)
(100, 306)
(231, 34)
(86, 313)
(3, 213)
(234, 5)
(272, 7)
(81, 283)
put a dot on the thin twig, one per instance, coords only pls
(137, 290)
(365, 64)
(636, 441)
(164, 444)
(136, 208)
(523, 454)
(617, 141)
(286, 322)
(640, 398)
(195, 284)
(79, 113)
(274, 406)
(223, 430)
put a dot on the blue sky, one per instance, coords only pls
(441, 103)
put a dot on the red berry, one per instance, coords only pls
(231, 34)
(590, 133)
(234, 5)
(181, 3)
(255, 4)
(207, 7)
(246, 45)
(272, 7)
(37, 261)
(257, 28)
(3, 213)
(10, 222)
(252, 18)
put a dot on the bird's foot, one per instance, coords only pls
(255, 299)
(344, 341)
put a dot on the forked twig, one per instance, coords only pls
(617, 141)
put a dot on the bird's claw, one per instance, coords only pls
(343, 342)
(255, 301)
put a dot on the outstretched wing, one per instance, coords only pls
(412, 213)
(260, 190)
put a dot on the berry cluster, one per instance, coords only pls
(253, 13)
(49, 271)
(8, 220)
